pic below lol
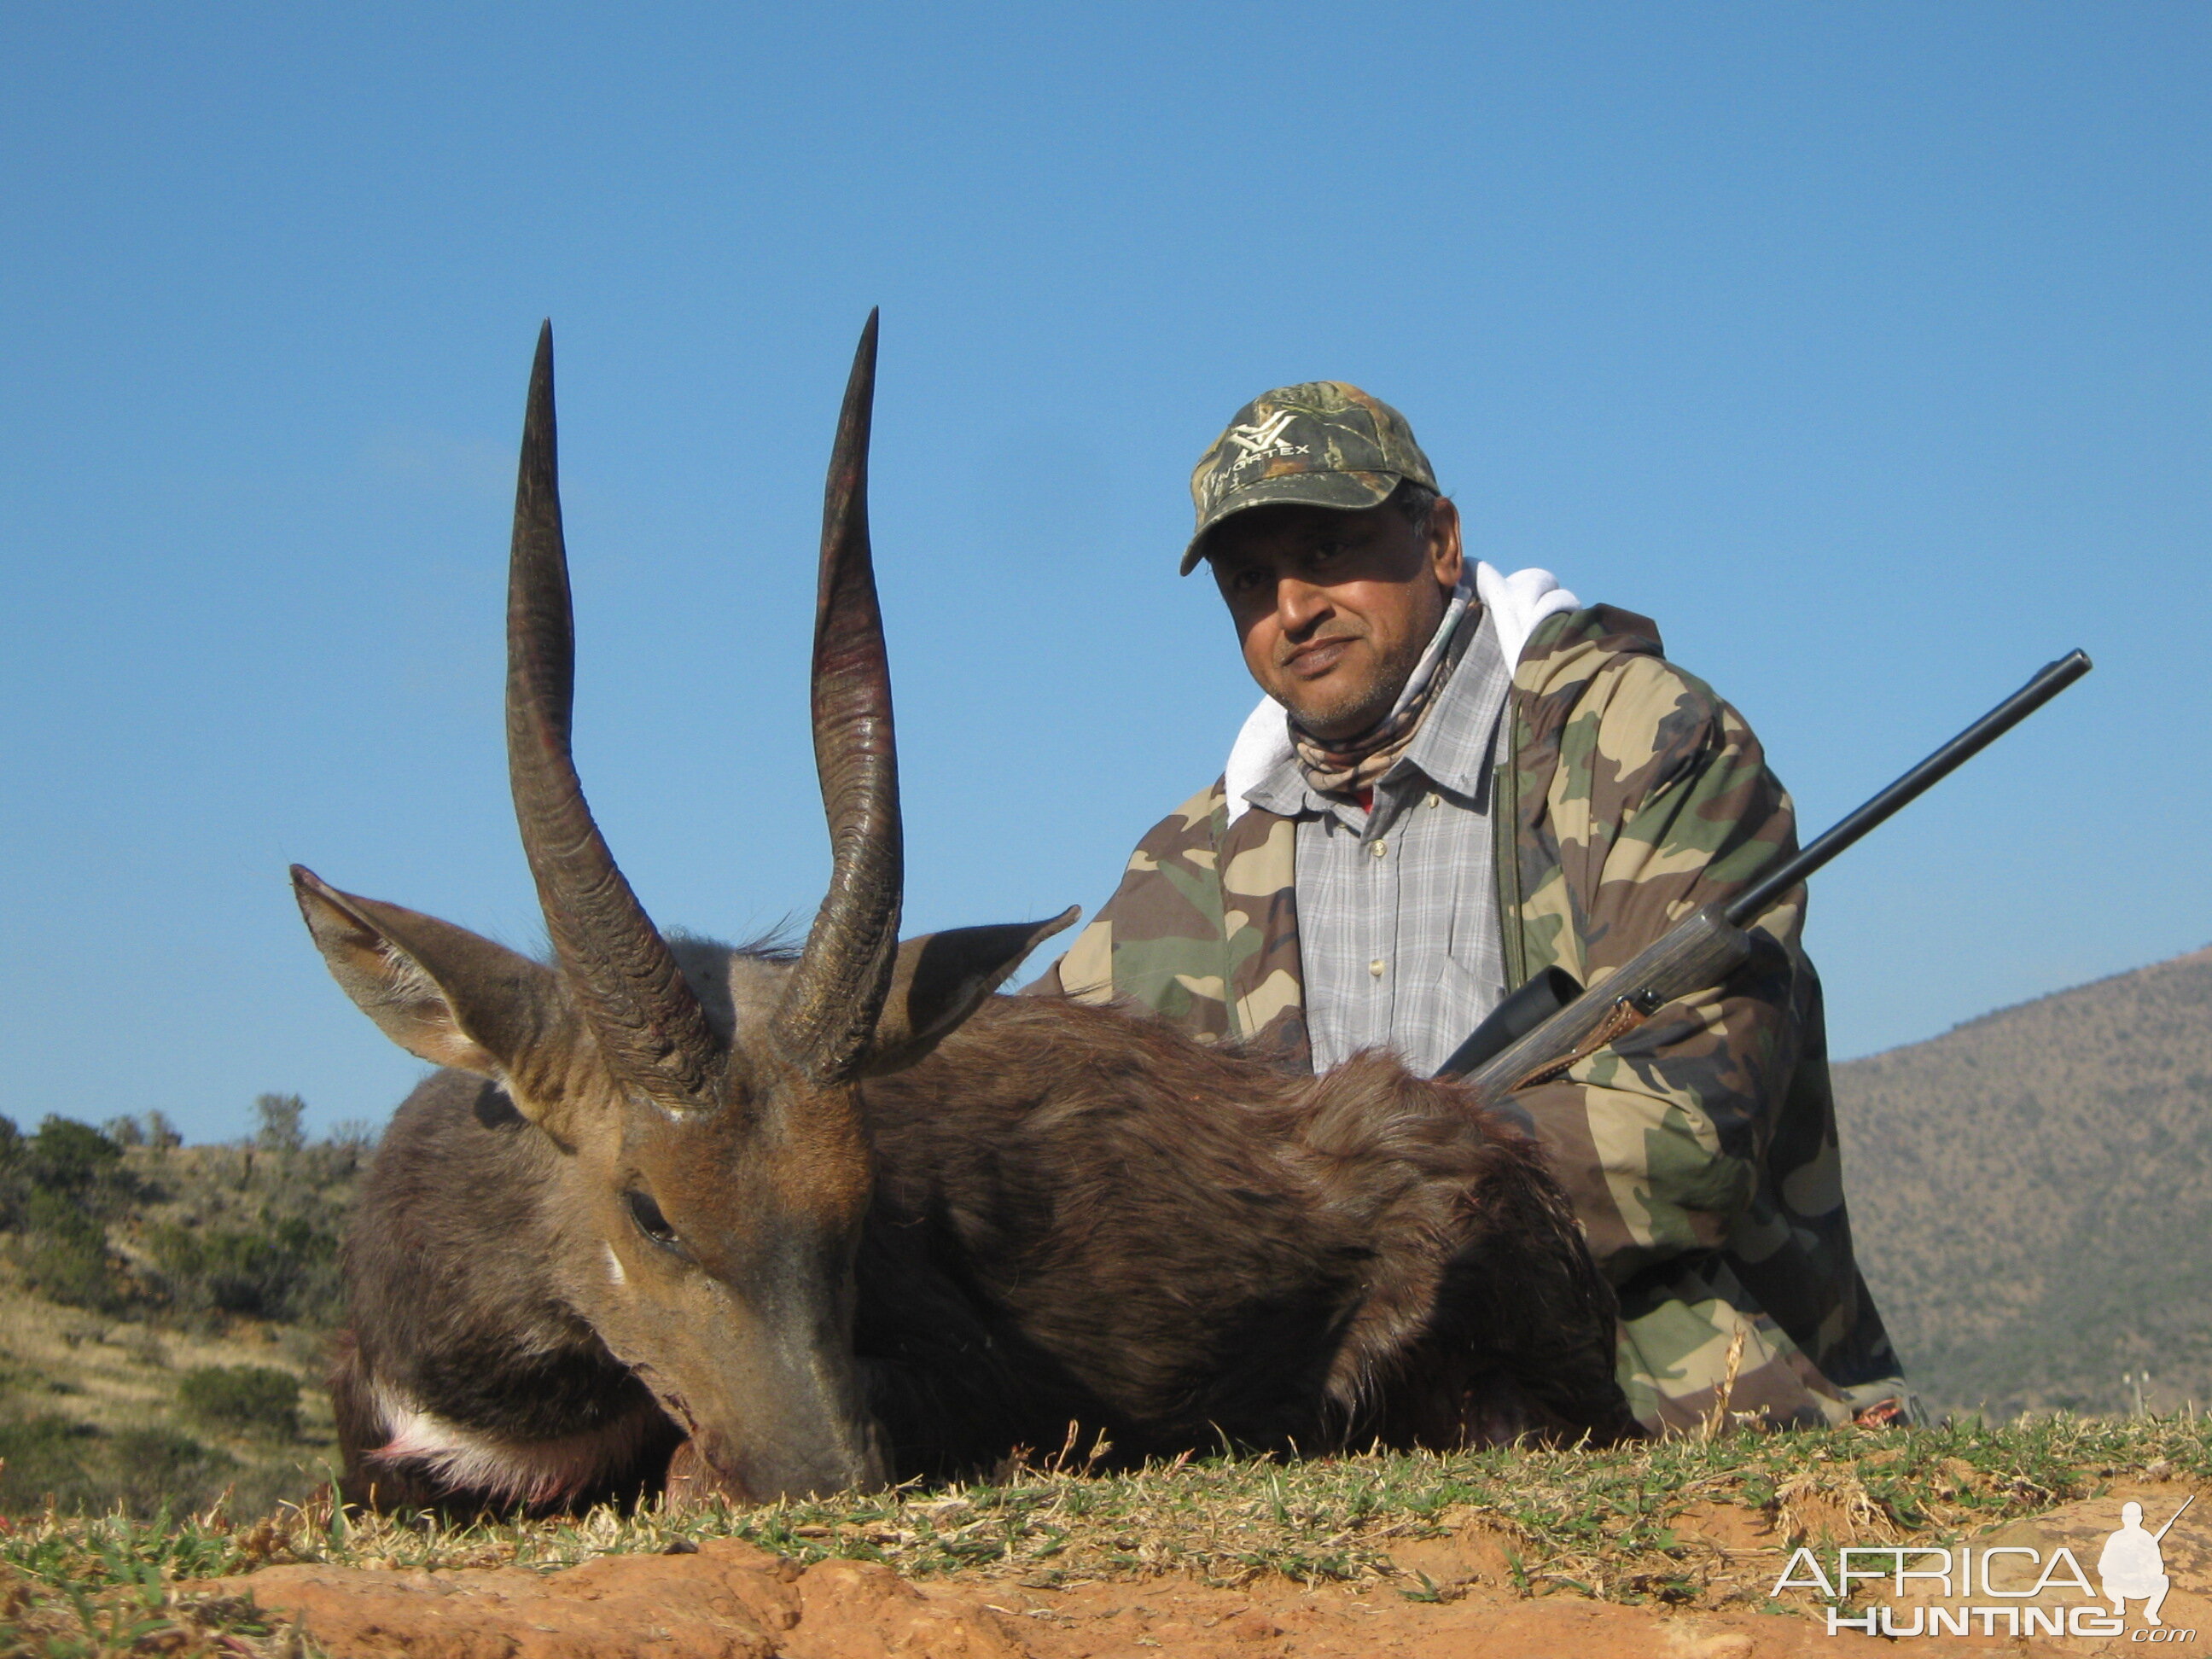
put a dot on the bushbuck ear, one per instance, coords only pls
(939, 979)
(440, 992)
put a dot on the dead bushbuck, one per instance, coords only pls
(775, 1223)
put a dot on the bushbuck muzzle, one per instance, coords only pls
(711, 1170)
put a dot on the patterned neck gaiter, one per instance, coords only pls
(1349, 766)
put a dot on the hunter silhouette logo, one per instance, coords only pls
(2029, 1593)
(2131, 1566)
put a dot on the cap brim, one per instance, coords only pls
(1347, 492)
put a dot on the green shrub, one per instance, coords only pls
(64, 1254)
(286, 1270)
(14, 1179)
(255, 1398)
(56, 1215)
(69, 1156)
(45, 1455)
(66, 1161)
(72, 1272)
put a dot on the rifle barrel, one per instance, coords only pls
(2177, 1515)
(1757, 899)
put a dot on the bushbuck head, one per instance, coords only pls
(716, 1167)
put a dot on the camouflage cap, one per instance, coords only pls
(1321, 444)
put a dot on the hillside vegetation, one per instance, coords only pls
(165, 1312)
(2032, 1197)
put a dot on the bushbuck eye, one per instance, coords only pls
(650, 1221)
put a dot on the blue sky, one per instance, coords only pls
(1865, 347)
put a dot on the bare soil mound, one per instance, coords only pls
(731, 1600)
(727, 1599)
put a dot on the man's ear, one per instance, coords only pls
(939, 979)
(1447, 553)
(440, 992)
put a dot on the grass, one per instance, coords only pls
(1617, 1525)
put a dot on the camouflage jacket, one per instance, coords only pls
(1699, 1150)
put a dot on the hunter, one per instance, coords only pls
(1455, 780)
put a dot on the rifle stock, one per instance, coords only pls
(1703, 949)
(1550, 1023)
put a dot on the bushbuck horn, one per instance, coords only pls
(649, 1025)
(837, 989)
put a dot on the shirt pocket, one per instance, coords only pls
(1467, 884)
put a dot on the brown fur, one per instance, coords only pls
(1183, 1246)
(1083, 1223)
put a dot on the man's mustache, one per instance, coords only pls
(1289, 653)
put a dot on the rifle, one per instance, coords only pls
(1552, 1022)
(2178, 1514)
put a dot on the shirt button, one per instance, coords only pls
(1376, 967)
(1435, 800)
(1381, 849)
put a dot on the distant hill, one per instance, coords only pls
(2031, 1196)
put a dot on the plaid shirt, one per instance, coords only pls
(1398, 922)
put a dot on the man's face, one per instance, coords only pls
(1334, 609)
